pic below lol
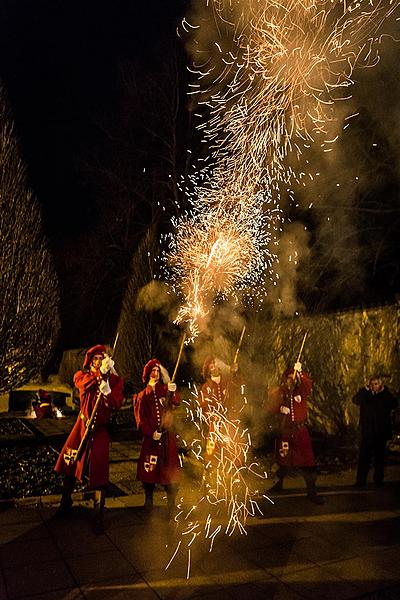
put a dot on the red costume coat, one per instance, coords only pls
(228, 393)
(96, 454)
(293, 447)
(158, 461)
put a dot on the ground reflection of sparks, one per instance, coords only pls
(227, 496)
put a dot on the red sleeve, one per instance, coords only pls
(85, 381)
(116, 398)
(204, 397)
(172, 397)
(305, 385)
(136, 405)
(175, 398)
(143, 416)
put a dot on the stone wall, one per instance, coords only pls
(341, 351)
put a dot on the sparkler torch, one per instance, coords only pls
(90, 423)
(301, 348)
(235, 360)
(167, 419)
(179, 358)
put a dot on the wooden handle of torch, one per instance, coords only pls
(239, 344)
(301, 347)
(178, 360)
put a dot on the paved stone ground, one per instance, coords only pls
(291, 549)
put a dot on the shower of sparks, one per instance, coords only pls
(219, 252)
(227, 496)
(269, 75)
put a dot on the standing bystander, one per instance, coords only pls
(376, 404)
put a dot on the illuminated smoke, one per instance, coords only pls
(269, 77)
(220, 252)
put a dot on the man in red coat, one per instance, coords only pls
(97, 380)
(158, 461)
(222, 400)
(293, 446)
(43, 406)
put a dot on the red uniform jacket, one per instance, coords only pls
(228, 393)
(293, 446)
(96, 454)
(158, 461)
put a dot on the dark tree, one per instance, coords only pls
(138, 335)
(29, 298)
(130, 174)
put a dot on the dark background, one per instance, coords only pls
(85, 83)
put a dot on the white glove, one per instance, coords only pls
(157, 435)
(105, 387)
(171, 386)
(285, 410)
(107, 364)
(297, 367)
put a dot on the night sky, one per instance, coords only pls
(82, 82)
(75, 74)
(60, 63)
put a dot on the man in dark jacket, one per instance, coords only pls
(376, 404)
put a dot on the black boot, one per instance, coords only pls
(98, 516)
(148, 496)
(66, 498)
(278, 487)
(310, 477)
(280, 473)
(315, 498)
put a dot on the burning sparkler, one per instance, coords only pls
(218, 252)
(269, 77)
(227, 496)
